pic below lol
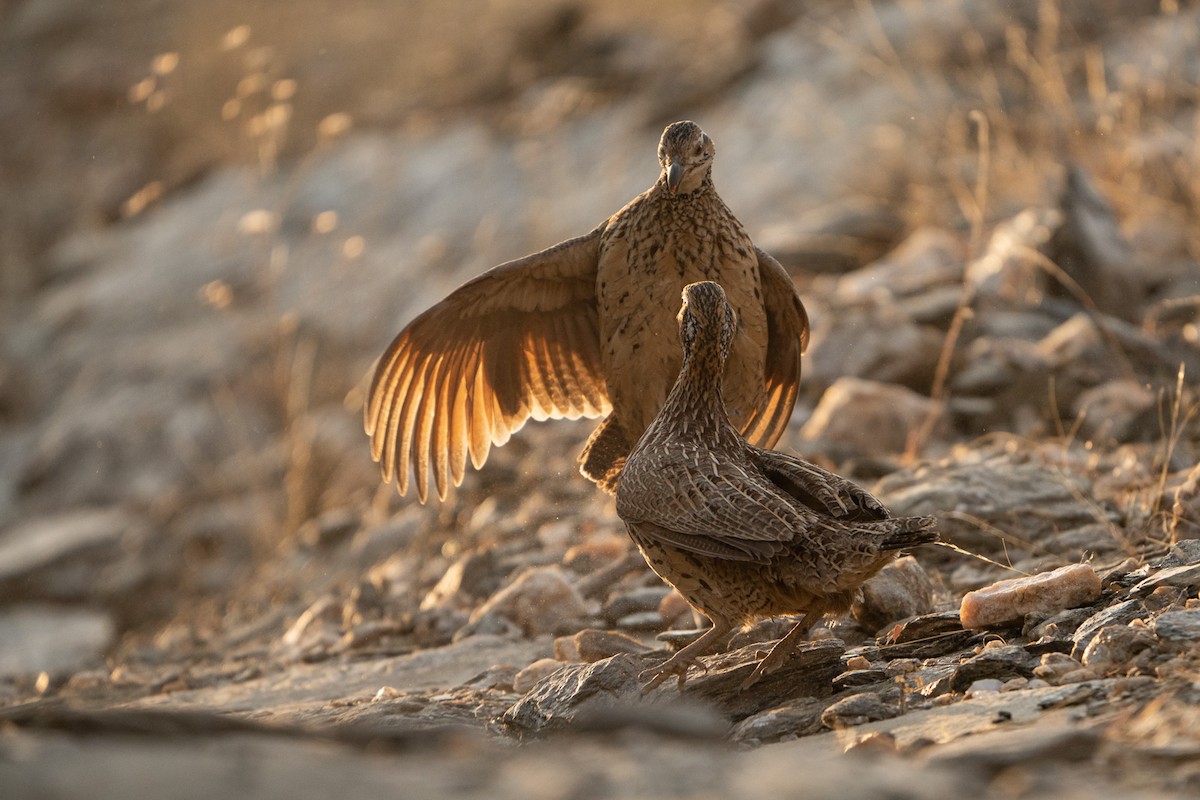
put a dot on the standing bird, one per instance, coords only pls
(742, 532)
(573, 331)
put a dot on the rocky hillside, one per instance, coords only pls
(213, 218)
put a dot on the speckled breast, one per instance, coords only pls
(644, 265)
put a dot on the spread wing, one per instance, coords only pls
(787, 339)
(522, 340)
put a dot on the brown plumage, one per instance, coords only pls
(575, 331)
(742, 532)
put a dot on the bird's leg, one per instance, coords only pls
(679, 663)
(782, 651)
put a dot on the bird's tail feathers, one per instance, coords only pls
(909, 532)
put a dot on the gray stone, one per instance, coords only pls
(1090, 247)
(1117, 411)
(1185, 551)
(878, 344)
(1178, 626)
(55, 640)
(1114, 647)
(838, 238)
(472, 577)
(985, 685)
(1120, 614)
(928, 259)
(1186, 576)
(1058, 625)
(800, 717)
(641, 621)
(1007, 661)
(809, 672)
(857, 678)
(90, 554)
(992, 752)
(900, 590)
(1026, 498)
(555, 702)
(540, 600)
(858, 709)
(869, 416)
(927, 636)
(622, 604)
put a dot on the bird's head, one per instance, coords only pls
(686, 154)
(706, 320)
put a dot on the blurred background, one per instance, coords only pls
(215, 215)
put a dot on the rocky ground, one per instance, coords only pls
(213, 219)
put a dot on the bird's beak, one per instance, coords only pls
(674, 176)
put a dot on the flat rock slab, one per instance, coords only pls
(580, 692)
(303, 690)
(45, 541)
(1185, 576)
(976, 715)
(1033, 500)
(264, 767)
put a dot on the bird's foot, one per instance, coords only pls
(674, 665)
(776, 658)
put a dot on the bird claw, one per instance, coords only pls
(776, 658)
(652, 677)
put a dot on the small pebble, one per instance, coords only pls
(902, 666)
(874, 744)
(985, 686)
(566, 648)
(858, 709)
(387, 693)
(593, 645)
(633, 601)
(1113, 648)
(1077, 676)
(529, 677)
(857, 662)
(641, 621)
(1054, 667)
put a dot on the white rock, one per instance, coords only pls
(1009, 601)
